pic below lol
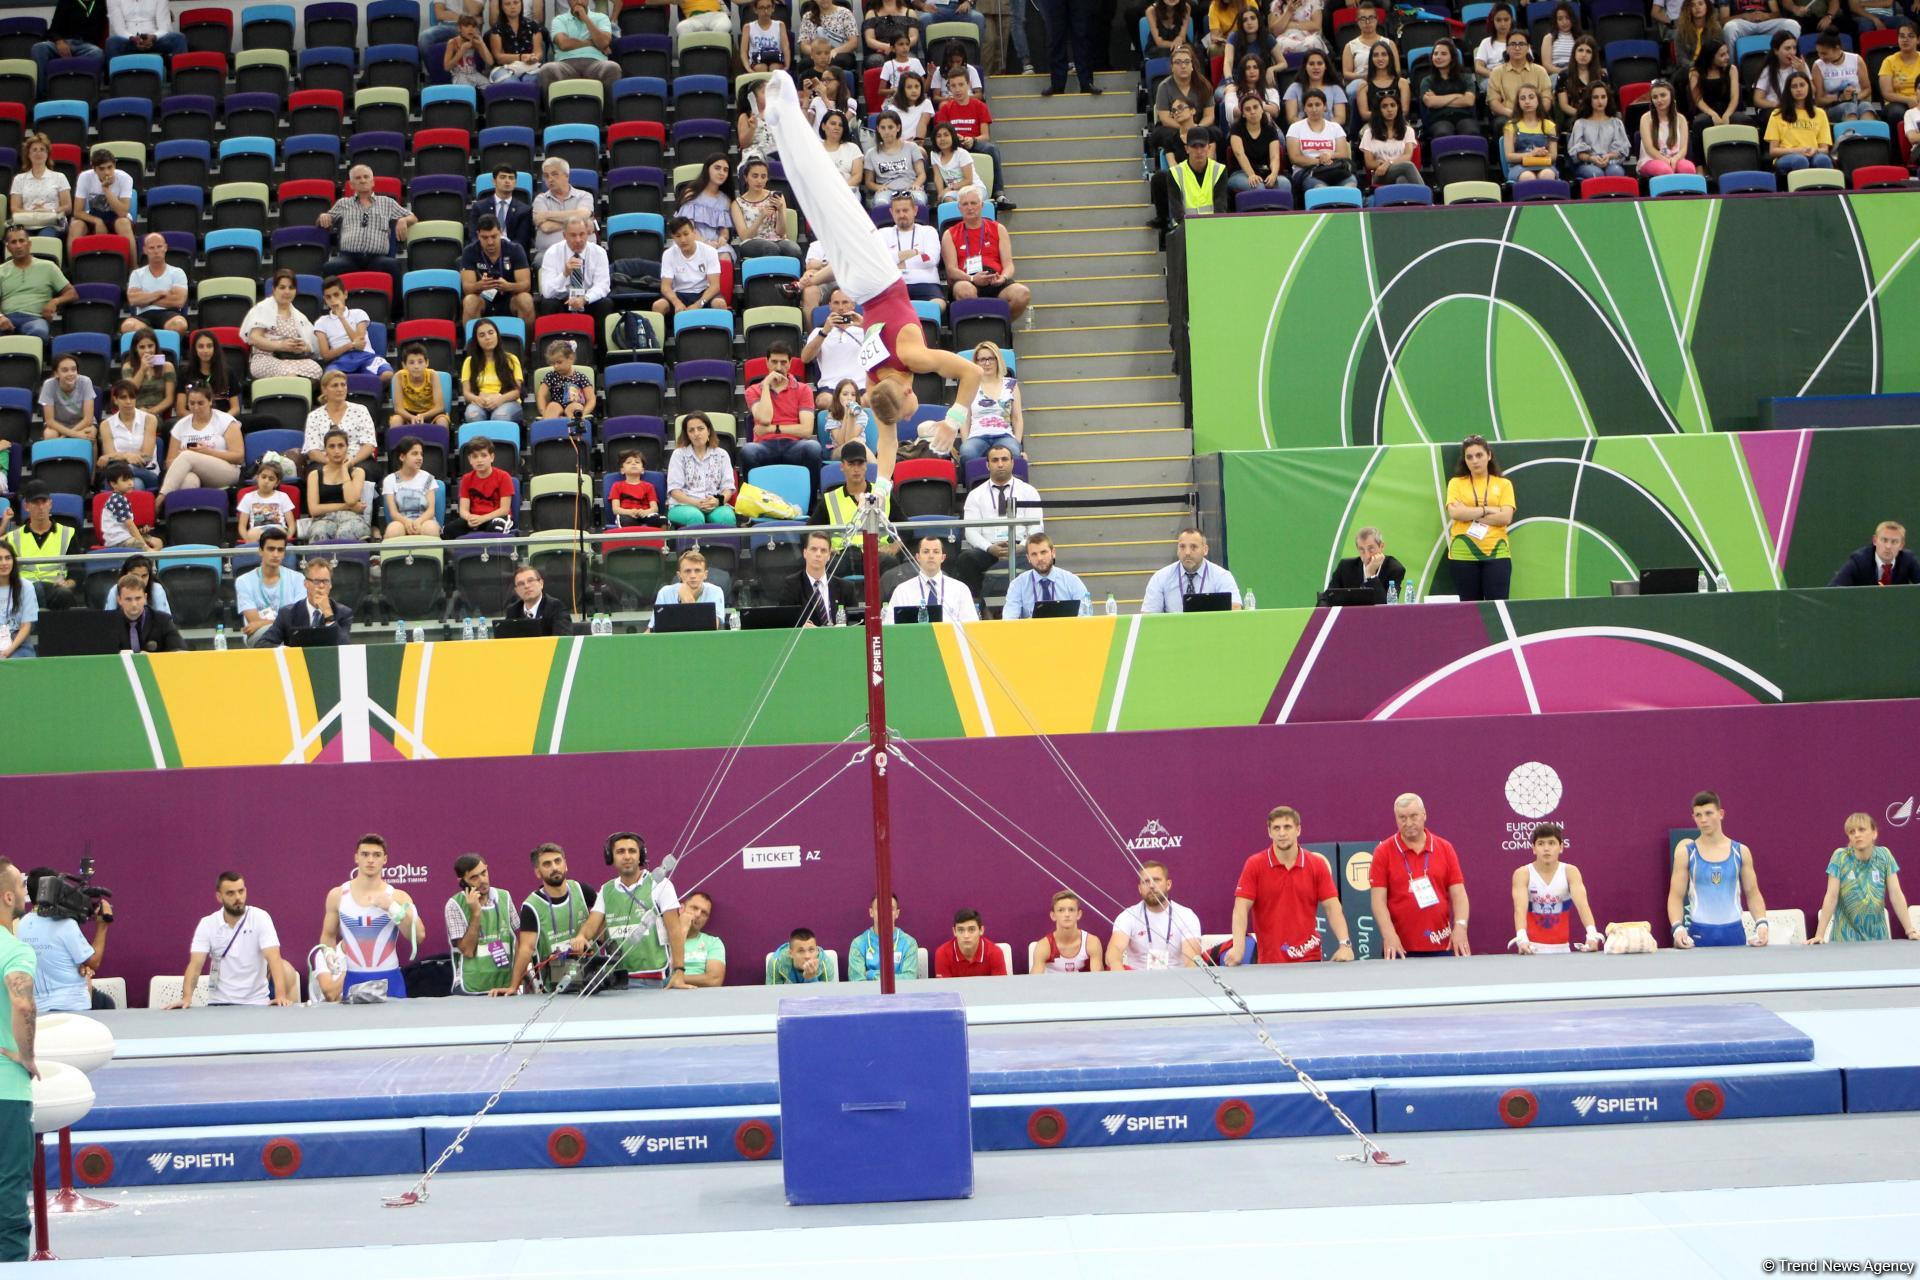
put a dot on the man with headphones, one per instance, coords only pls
(640, 915)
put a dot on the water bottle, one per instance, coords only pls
(485, 629)
(1702, 587)
(220, 637)
(920, 614)
(1407, 596)
(599, 625)
(839, 615)
(466, 628)
(1720, 582)
(733, 619)
(1248, 603)
(1393, 593)
(1086, 606)
(419, 635)
(1112, 606)
(400, 632)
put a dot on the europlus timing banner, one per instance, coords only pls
(1550, 321)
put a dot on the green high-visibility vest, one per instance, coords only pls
(632, 925)
(498, 927)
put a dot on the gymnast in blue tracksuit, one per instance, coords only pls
(1711, 875)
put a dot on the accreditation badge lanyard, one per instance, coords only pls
(1478, 529)
(1422, 886)
(491, 926)
(633, 901)
(973, 255)
(215, 966)
(1158, 959)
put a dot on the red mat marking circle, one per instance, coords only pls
(93, 1165)
(1705, 1100)
(1519, 1108)
(566, 1146)
(1234, 1119)
(1047, 1127)
(281, 1158)
(754, 1139)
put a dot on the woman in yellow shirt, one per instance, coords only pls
(490, 377)
(1798, 135)
(1480, 505)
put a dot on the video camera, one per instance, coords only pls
(67, 896)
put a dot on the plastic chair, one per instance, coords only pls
(1677, 184)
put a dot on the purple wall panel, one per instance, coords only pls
(1789, 776)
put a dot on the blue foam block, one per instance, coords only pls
(1615, 1098)
(1883, 1088)
(567, 1140)
(873, 1099)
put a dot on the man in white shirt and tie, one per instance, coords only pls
(1002, 495)
(1043, 583)
(931, 588)
(1191, 574)
(575, 277)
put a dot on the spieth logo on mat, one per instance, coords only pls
(1587, 1104)
(1119, 1120)
(635, 1143)
(165, 1161)
(1154, 838)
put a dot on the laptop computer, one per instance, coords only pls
(772, 617)
(313, 638)
(685, 617)
(912, 612)
(517, 629)
(1208, 602)
(67, 633)
(1345, 596)
(1057, 609)
(1669, 582)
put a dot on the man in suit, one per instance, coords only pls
(813, 589)
(148, 630)
(1373, 568)
(531, 603)
(1884, 562)
(317, 610)
(514, 216)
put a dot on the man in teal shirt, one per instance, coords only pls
(863, 956)
(17, 1071)
(581, 44)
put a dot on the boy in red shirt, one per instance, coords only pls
(1283, 888)
(634, 503)
(971, 121)
(486, 494)
(969, 953)
(1419, 897)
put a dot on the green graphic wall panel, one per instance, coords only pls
(1608, 318)
(1766, 508)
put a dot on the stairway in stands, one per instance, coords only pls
(1102, 405)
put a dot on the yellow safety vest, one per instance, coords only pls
(841, 510)
(29, 547)
(1196, 191)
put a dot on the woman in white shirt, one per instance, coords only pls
(1387, 143)
(1247, 83)
(41, 197)
(1316, 146)
(911, 104)
(206, 452)
(995, 414)
(842, 150)
(1296, 28)
(699, 476)
(280, 334)
(1491, 53)
(409, 493)
(130, 434)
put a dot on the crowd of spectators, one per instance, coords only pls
(557, 281)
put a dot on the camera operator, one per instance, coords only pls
(640, 915)
(549, 918)
(67, 962)
(244, 948)
(480, 925)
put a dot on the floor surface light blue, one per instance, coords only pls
(1732, 1233)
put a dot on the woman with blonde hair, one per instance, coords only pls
(994, 414)
(41, 197)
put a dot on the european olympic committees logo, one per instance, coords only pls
(1533, 789)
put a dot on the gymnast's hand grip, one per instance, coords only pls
(874, 1106)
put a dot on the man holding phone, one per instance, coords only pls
(834, 349)
(496, 278)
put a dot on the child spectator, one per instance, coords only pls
(689, 271)
(763, 41)
(66, 403)
(632, 499)
(409, 493)
(1531, 140)
(486, 494)
(468, 60)
(1862, 881)
(973, 122)
(416, 392)
(342, 335)
(264, 506)
(117, 528)
(565, 392)
(900, 64)
(954, 63)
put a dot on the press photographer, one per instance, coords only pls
(67, 962)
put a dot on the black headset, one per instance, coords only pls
(617, 837)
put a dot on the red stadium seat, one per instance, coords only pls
(1609, 189)
(1869, 176)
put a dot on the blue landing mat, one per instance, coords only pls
(726, 1072)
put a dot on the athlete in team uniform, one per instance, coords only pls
(896, 347)
(365, 919)
(1711, 874)
(1065, 949)
(1546, 894)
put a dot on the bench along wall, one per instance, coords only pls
(1631, 317)
(1197, 800)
